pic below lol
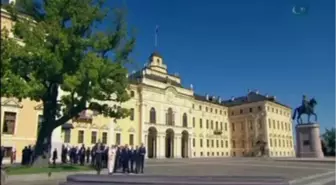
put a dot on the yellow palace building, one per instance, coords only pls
(171, 120)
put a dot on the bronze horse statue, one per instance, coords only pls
(309, 110)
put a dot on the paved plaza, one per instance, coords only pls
(297, 172)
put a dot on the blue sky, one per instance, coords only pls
(225, 47)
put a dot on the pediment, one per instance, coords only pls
(39, 107)
(104, 127)
(94, 126)
(11, 102)
(117, 128)
(131, 130)
(171, 90)
(82, 125)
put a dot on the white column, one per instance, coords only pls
(56, 141)
(145, 143)
(190, 148)
(163, 146)
(142, 123)
(177, 147)
(159, 146)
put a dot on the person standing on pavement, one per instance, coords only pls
(142, 151)
(112, 152)
(54, 157)
(125, 155)
(98, 157)
(137, 159)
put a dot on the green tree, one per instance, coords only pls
(329, 139)
(64, 51)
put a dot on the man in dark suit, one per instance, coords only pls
(142, 154)
(132, 155)
(54, 157)
(137, 159)
(125, 155)
(98, 157)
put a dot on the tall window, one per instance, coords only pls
(81, 136)
(67, 135)
(170, 117)
(208, 143)
(194, 142)
(225, 126)
(132, 93)
(93, 137)
(233, 127)
(201, 142)
(226, 144)
(39, 123)
(259, 123)
(221, 125)
(118, 138)
(217, 143)
(131, 139)
(132, 114)
(212, 125)
(9, 123)
(233, 144)
(104, 137)
(222, 143)
(201, 124)
(216, 125)
(152, 115)
(8, 152)
(194, 122)
(212, 143)
(185, 120)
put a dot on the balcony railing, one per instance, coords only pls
(84, 116)
(217, 132)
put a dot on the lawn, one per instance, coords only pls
(21, 170)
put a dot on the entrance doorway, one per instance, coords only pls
(170, 143)
(185, 144)
(151, 143)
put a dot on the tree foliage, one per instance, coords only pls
(329, 139)
(64, 49)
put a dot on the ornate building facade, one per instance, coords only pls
(171, 120)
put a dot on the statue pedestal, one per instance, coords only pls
(308, 142)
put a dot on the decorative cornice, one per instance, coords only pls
(132, 130)
(104, 127)
(11, 102)
(39, 107)
(118, 129)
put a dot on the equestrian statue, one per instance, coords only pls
(307, 107)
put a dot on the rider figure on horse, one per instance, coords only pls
(305, 102)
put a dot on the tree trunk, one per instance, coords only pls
(42, 149)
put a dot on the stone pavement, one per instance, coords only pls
(297, 172)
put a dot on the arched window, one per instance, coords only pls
(170, 117)
(185, 120)
(152, 115)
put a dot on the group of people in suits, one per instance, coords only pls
(129, 159)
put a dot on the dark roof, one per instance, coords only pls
(133, 78)
(156, 54)
(210, 100)
(251, 98)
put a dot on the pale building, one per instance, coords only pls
(171, 120)
(257, 118)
